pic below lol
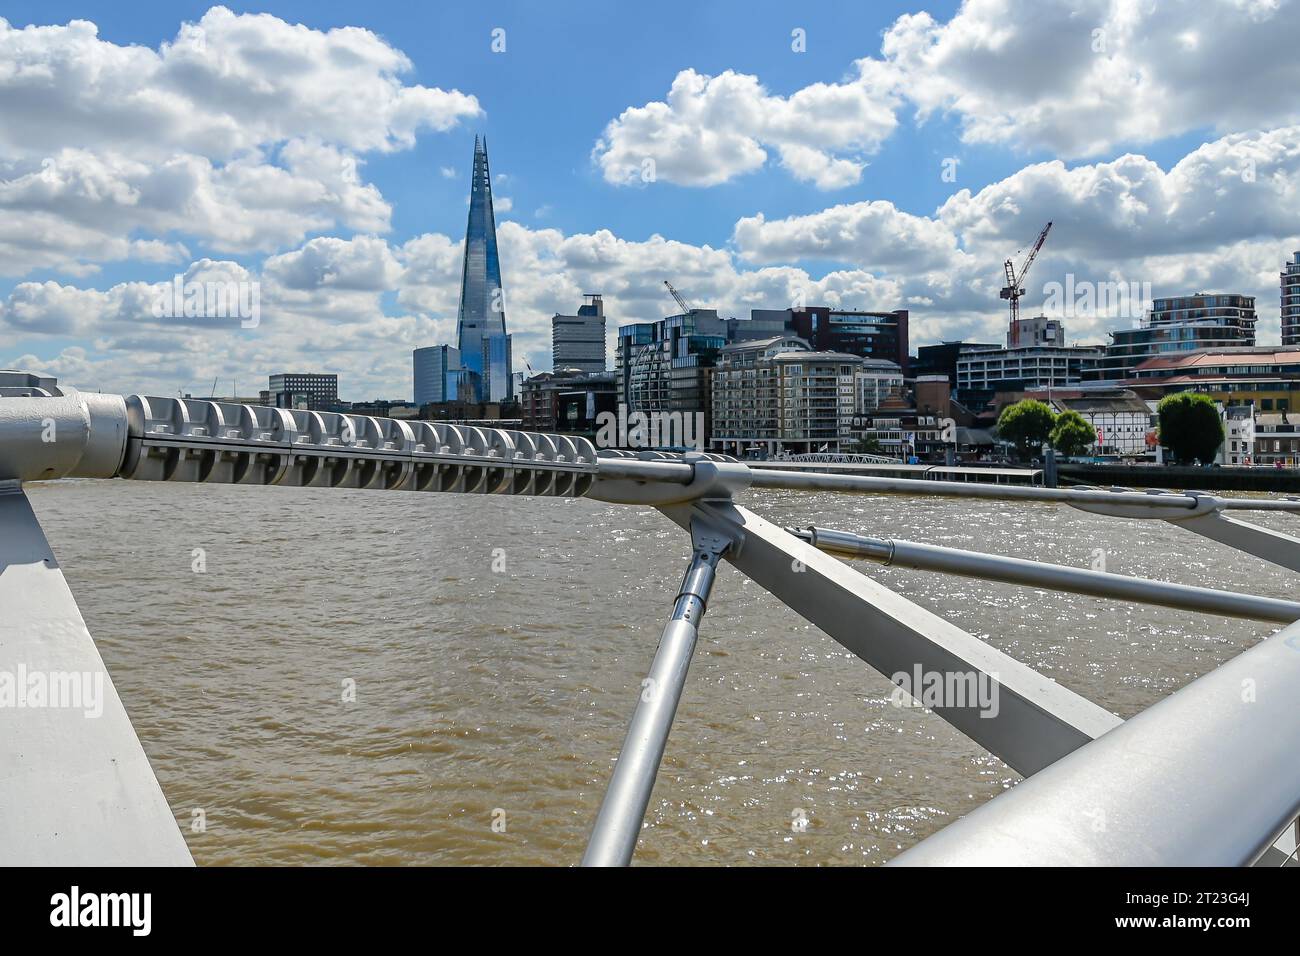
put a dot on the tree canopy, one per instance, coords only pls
(1190, 427)
(1072, 435)
(1027, 424)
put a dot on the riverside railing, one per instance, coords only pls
(76, 791)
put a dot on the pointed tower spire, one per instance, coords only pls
(481, 324)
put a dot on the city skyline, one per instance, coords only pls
(873, 164)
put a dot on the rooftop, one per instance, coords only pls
(1236, 355)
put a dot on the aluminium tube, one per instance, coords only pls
(614, 836)
(1207, 776)
(992, 567)
(815, 481)
(682, 472)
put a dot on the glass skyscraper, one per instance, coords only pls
(431, 366)
(481, 324)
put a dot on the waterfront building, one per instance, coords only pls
(778, 395)
(880, 335)
(567, 400)
(1121, 421)
(578, 341)
(1179, 324)
(1290, 279)
(481, 414)
(988, 371)
(484, 346)
(942, 359)
(761, 324)
(903, 434)
(430, 366)
(875, 381)
(1238, 446)
(1265, 377)
(1277, 440)
(386, 408)
(665, 366)
(318, 392)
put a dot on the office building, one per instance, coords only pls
(578, 341)
(777, 396)
(880, 335)
(874, 382)
(1291, 301)
(985, 371)
(314, 391)
(567, 401)
(1179, 324)
(664, 366)
(1039, 330)
(942, 359)
(430, 366)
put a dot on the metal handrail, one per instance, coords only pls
(1221, 749)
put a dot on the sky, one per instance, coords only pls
(755, 154)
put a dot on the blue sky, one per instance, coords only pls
(1038, 112)
(561, 79)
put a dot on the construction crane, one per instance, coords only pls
(1014, 288)
(679, 298)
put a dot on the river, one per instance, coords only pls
(358, 677)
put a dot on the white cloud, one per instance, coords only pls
(243, 132)
(873, 235)
(226, 84)
(361, 264)
(714, 128)
(1073, 77)
(1078, 77)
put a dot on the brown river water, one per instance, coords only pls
(497, 646)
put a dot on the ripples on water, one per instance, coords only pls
(479, 691)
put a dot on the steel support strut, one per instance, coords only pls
(613, 839)
(1039, 574)
(1036, 721)
(76, 788)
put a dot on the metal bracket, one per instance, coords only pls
(710, 480)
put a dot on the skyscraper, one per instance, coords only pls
(481, 324)
(431, 366)
(578, 341)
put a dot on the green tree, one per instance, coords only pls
(1190, 427)
(1072, 435)
(1027, 424)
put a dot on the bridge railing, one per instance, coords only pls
(1223, 758)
